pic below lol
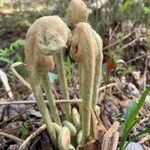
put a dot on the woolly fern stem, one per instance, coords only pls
(59, 59)
(42, 107)
(98, 69)
(83, 52)
(51, 99)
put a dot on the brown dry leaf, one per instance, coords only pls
(107, 140)
(101, 129)
(111, 64)
(91, 145)
(124, 103)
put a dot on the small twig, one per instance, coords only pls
(34, 102)
(12, 68)
(144, 139)
(10, 119)
(4, 93)
(114, 141)
(113, 44)
(112, 129)
(32, 136)
(12, 137)
(4, 79)
(106, 143)
(136, 58)
(108, 136)
(129, 44)
(108, 86)
(113, 32)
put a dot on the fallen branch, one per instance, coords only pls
(34, 102)
(57, 101)
(139, 57)
(4, 79)
(107, 86)
(113, 44)
(26, 143)
(12, 137)
(12, 68)
(144, 139)
(114, 141)
(108, 140)
(129, 44)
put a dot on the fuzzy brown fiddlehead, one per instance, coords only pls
(52, 41)
(77, 12)
(47, 35)
(83, 51)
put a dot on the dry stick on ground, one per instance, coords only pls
(108, 136)
(113, 32)
(113, 44)
(144, 139)
(31, 101)
(139, 57)
(10, 119)
(107, 86)
(34, 102)
(27, 142)
(12, 137)
(129, 44)
(12, 68)
(4, 79)
(115, 140)
(57, 101)
(83, 51)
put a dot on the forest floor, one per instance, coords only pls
(128, 76)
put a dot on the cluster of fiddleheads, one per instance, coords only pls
(45, 41)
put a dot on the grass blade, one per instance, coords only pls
(131, 117)
(147, 130)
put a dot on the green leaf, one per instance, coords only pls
(146, 10)
(126, 4)
(24, 131)
(6, 53)
(69, 67)
(131, 108)
(17, 44)
(52, 76)
(131, 117)
(6, 60)
(104, 72)
(147, 130)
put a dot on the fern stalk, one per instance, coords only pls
(98, 69)
(82, 50)
(59, 59)
(51, 99)
(42, 107)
